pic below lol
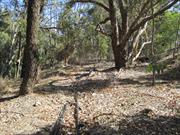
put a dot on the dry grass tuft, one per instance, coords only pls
(4, 86)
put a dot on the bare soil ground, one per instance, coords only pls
(111, 103)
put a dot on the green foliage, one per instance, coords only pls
(48, 46)
(5, 40)
(5, 20)
(159, 68)
(78, 30)
(166, 33)
(149, 68)
(103, 46)
(11, 30)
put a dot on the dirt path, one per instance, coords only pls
(111, 103)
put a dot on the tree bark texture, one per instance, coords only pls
(30, 58)
(118, 49)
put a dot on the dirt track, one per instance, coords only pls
(111, 103)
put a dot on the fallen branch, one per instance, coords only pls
(56, 130)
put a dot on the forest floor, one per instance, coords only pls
(111, 103)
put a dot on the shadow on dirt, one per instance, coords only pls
(171, 74)
(53, 73)
(69, 88)
(144, 122)
(143, 80)
(8, 98)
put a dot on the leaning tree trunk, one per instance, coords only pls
(30, 58)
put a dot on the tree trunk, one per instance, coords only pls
(18, 61)
(118, 50)
(30, 58)
(119, 56)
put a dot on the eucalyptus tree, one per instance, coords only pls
(126, 17)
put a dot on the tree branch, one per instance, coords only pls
(123, 11)
(140, 50)
(146, 19)
(136, 39)
(140, 13)
(100, 29)
(90, 1)
(105, 20)
(50, 28)
(161, 11)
